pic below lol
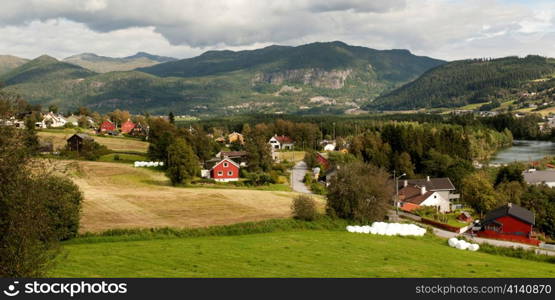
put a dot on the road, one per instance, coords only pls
(297, 176)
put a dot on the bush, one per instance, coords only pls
(304, 208)
(116, 157)
(260, 178)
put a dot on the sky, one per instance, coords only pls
(444, 29)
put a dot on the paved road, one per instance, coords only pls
(297, 176)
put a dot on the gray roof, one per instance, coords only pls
(510, 209)
(83, 136)
(431, 184)
(539, 176)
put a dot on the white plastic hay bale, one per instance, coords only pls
(452, 242)
(474, 247)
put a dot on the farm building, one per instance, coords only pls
(509, 222)
(52, 120)
(75, 142)
(127, 126)
(540, 177)
(322, 160)
(412, 197)
(281, 142)
(223, 170)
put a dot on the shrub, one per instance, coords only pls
(116, 157)
(304, 208)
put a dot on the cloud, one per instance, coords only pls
(449, 29)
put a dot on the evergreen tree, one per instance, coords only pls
(183, 164)
(171, 118)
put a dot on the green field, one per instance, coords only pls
(300, 253)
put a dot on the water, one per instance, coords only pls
(523, 150)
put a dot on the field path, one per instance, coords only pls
(297, 177)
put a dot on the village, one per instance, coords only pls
(433, 201)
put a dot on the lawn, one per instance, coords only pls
(300, 253)
(117, 144)
(120, 196)
(293, 156)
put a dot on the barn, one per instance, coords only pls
(225, 170)
(107, 126)
(509, 222)
(75, 142)
(127, 126)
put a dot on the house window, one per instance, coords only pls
(226, 165)
(220, 173)
(230, 173)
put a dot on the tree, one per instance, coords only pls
(258, 151)
(304, 208)
(403, 164)
(479, 193)
(512, 191)
(171, 118)
(183, 164)
(360, 192)
(53, 108)
(511, 172)
(161, 135)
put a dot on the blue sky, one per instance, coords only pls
(447, 29)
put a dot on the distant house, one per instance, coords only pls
(509, 222)
(329, 147)
(236, 137)
(443, 186)
(281, 142)
(107, 126)
(139, 130)
(73, 119)
(52, 120)
(127, 126)
(533, 176)
(412, 197)
(224, 170)
(75, 142)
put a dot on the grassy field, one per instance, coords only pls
(122, 158)
(121, 196)
(293, 156)
(300, 253)
(117, 144)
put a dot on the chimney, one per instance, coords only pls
(427, 178)
(510, 205)
(422, 190)
(405, 183)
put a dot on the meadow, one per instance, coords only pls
(289, 253)
(117, 195)
(116, 144)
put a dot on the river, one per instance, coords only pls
(523, 150)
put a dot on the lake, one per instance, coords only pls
(523, 150)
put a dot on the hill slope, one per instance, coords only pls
(9, 62)
(103, 64)
(319, 77)
(300, 253)
(469, 81)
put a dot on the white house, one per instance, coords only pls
(53, 120)
(427, 192)
(281, 142)
(329, 147)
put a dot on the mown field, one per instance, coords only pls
(119, 196)
(296, 253)
(117, 144)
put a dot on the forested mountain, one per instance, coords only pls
(9, 62)
(103, 64)
(320, 77)
(468, 81)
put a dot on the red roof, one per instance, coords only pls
(127, 126)
(282, 139)
(107, 126)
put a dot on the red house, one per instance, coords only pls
(322, 161)
(225, 170)
(509, 222)
(107, 126)
(127, 126)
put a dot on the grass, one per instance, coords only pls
(117, 144)
(289, 253)
(119, 196)
(293, 156)
(123, 158)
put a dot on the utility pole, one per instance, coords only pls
(397, 190)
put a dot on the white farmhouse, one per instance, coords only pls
(281, 142)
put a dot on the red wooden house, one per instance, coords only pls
(127, 126)
(322, 161)
(225, 170)
(107, 126)
(509, 222)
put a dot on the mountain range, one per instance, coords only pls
(330, 77)
(320, 77)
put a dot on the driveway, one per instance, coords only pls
(297, 176)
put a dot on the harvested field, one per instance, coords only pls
(118, 144)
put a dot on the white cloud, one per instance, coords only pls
(446, 29)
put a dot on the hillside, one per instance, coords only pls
(466, 82)
(103, 64)
(294, 253)
(9, 62)
(314, 78)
